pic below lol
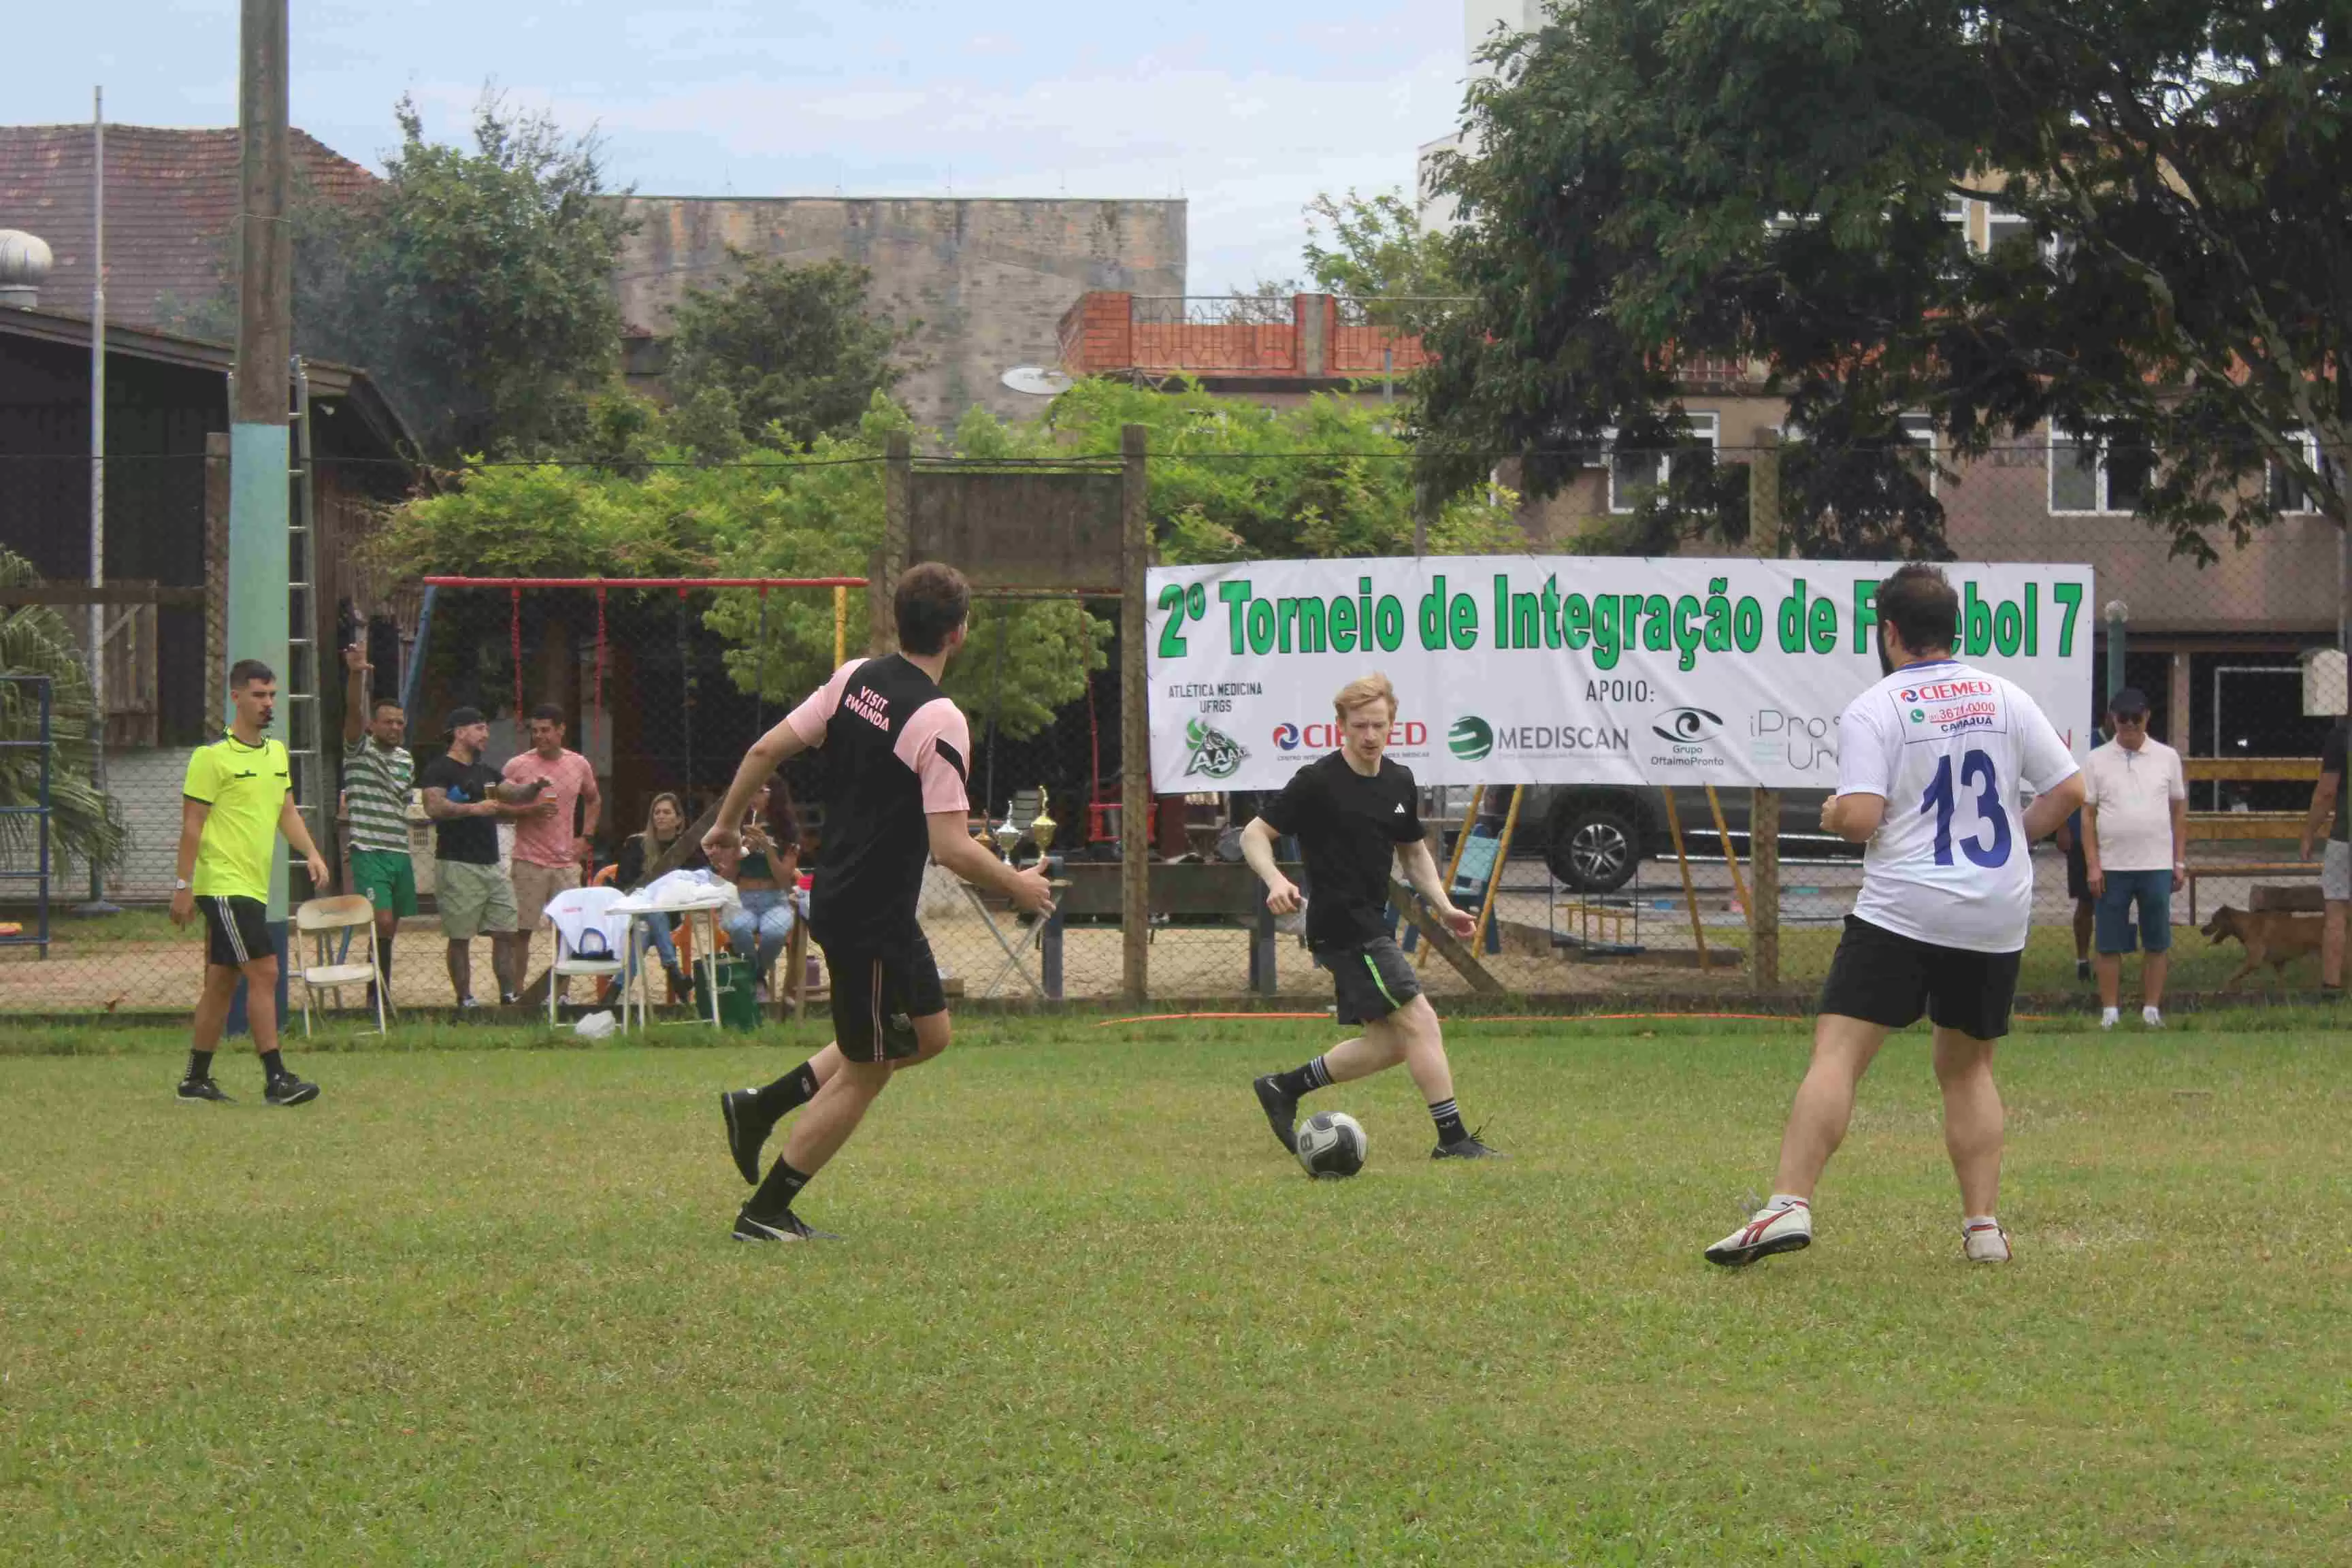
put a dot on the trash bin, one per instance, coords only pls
(739, 1004)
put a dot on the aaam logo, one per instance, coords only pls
(1287, 737)
(1471, 739)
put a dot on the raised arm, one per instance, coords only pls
(772, 751)
(355, 693)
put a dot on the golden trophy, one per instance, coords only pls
(1041, 827)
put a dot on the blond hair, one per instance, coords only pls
(1357, 693)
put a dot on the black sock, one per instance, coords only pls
(774, 1199)
(1304, 1079)
(1448, 1117)
(200, 1067)
(273, 1066)
(383, 960)
(788, 1093)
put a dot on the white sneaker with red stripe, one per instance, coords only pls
(1771, 1230)
(1985, 1242)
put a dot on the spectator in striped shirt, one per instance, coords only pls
(378, 774)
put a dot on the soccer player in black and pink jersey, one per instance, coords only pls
(893, 799)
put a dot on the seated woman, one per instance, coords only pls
(761, 924)
(664, 820)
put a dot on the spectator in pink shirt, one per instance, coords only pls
(550, 849)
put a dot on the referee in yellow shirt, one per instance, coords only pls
(237, 800)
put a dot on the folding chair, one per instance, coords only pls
(589, 939)
(348, 914)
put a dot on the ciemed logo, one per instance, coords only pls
(1687, 726)
(1287, 737)
(1471, 738)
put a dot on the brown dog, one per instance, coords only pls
(2270, 938)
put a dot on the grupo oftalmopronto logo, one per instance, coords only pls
(1471, 739)
(1687, 726)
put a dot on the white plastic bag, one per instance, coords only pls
(596, 1026)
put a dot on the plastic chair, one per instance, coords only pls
(590, 938)
(348, 914)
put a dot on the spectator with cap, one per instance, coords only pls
(465, 797)
(2135, 852)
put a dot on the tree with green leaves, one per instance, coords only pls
(1234, 479)
(474, 284)
(36, 641)
(665, 508)
(1376, 248)
(1771, 181)
(797, 347)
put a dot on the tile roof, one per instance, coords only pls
(170, 203)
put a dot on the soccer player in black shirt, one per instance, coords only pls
(893, 799)
(1352, 812)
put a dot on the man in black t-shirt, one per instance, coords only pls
(465, 798)
(2333, 794)
(1354, 812)
(894, 801)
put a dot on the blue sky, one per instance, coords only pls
(1247, 110)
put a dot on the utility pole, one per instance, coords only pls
(258, 546)
(98, 904)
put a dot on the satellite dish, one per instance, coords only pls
(1036, 381)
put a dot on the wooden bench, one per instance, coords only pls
(2256, 870)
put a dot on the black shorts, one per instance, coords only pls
(237, 931)
(1883, 977)
(1370, 981)
(877, 991)
(2078, 873)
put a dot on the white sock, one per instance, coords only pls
(2107, 1015)
(1779, 1201)
(2151, 1013)
(1971, 1222)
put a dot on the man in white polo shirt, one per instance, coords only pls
(2135, 852)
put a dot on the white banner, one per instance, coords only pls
(1571, 669)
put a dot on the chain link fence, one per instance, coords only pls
(665, 691)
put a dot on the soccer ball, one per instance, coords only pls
(1332, 1144)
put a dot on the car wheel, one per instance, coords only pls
(1594, 850)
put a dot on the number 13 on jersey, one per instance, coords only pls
(1976, 774)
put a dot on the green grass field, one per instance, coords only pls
(478, 1305)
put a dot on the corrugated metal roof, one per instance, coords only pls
(170, 203)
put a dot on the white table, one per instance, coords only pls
(705, 908)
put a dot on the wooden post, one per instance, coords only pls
(1764, 804)
(1135, 720)
(882, 577)
(215, 584)
(1690, 893)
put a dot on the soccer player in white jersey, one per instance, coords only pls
(1932, 761)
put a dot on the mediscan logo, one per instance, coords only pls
(1214, 754)
(1472, 738)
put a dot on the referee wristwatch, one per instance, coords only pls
(179, 884)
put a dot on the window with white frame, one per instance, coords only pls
(2288, 493)
(1636, 475)
(2086, 476)
(2003, 226)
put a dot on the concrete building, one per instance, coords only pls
(1481, 21)
(989, 281)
